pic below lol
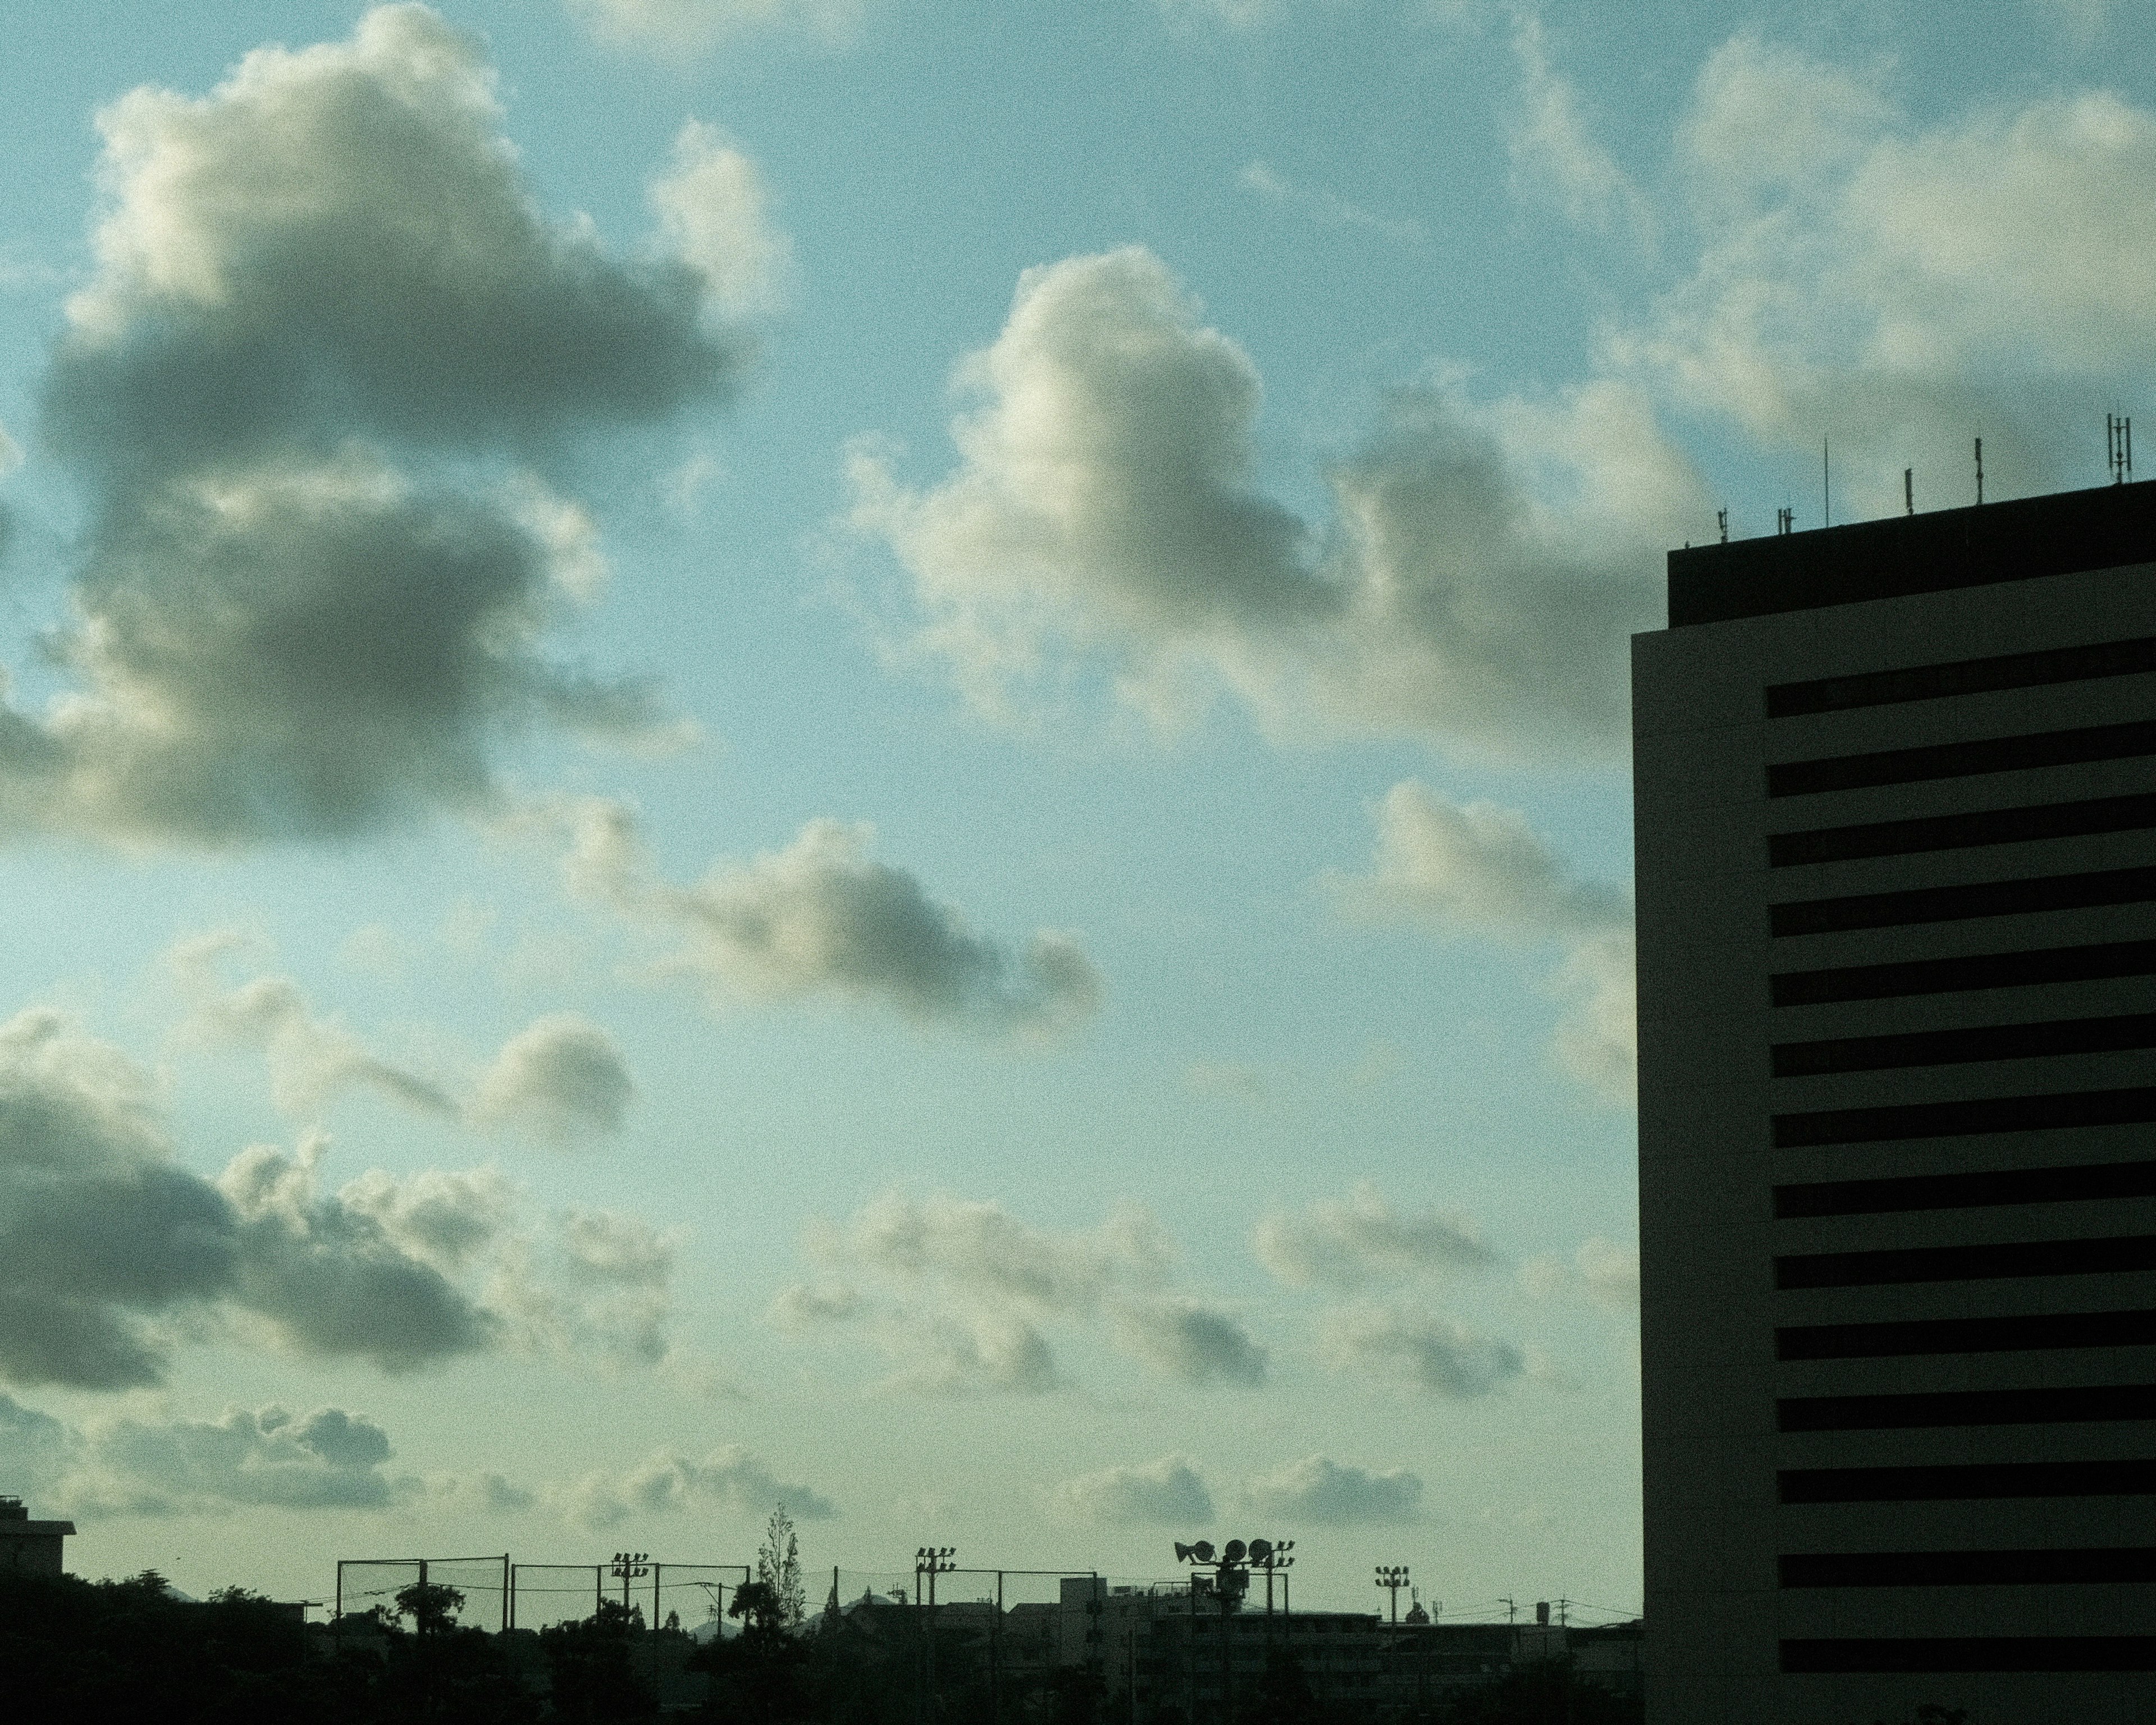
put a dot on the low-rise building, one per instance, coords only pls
(28, 1547)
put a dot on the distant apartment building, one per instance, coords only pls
(28, 1547)
(1895, 803)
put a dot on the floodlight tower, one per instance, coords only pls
(1392, 1578)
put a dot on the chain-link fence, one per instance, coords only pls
(480, 1595)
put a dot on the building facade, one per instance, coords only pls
(1896, 806)
(30, 1547)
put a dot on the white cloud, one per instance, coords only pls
(562, 1080)
(1556, 158)
(715, 212)
(1435, 1354)
(322, 574)
(1167, 1492)
(821, 916)
(1899, 284)
(1475, 868)
(1327, 208)
(1348, 1242)
(1104, 511)
(1320, 1491)
(1479, 870)
(247, 1459)
(964, 1297)
(730, 1481)
(1606, 1272)
(683, 30)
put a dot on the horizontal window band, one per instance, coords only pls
(1976, 1117)
(1963, 760)
(1962, 676)
(2121, 1254)
(1964, 832)
(2030, 1332)
(1973, 1653)
(2099, 962)
(1966, 1482)
(2115, 1034)
(2102, 1564)
(2078, 1405)
(1916, 905)
(1991, 1188)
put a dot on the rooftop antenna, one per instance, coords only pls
(1722, 520)
(1980, 469)
(2118, 447)
(1826, 486)
(1785, 521)
(1908, 490)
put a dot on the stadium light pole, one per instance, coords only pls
(1393, 1578)
(1231, 1566)
(931, 1561)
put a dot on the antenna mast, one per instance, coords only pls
(2118, 447)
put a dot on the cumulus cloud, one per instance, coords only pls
(1320, 1491)
(686, 28)
(562, 1080)
(1479, 870)
(1192, 1341)
(821, 916)
(247, 1459)
(965, 1297)
(715, 212)
(1105, 503)
(1431, 1354)
(1163, 1493)
(1345, 1242)
(730, 1481)
(107, 1243)
(310, 412)
(1899, 284)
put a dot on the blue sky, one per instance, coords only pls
(876, 753)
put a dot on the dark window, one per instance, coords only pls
(1979, 1116)
(1962, 832)
(2074, 1406)
(1965, 676)
(1975, 1653)
(1956, 904)
(1963, 760)
(1967, 1263)
(1955, 976)
(1963, 1482)
(1966, 1335)
(2089, 1183)
(1951, 1048)
(2096, 1564)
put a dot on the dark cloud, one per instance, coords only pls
(823, 917)
(1346, 1242)
(1192, 1341)
(1105, 503)
(1434, 1354)
(1320, 1491)
(329, 340)
(107, 1243)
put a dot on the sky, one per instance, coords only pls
(874, 755)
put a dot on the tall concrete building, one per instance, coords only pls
(1897, 875)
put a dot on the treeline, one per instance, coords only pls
(85, 1652)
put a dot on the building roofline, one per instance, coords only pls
(2105, 527)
